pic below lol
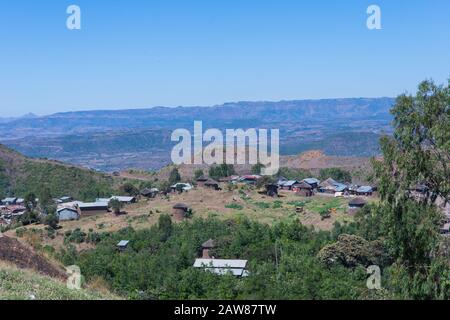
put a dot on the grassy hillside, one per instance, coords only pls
(20, 175)
(18, 284)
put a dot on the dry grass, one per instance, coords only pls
(223, 204)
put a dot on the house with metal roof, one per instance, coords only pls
(364, 191)
(124, 199)
(313, 182)
(92, 208)
(9, 201)
(68, 214)
(123, 244)
(223, 266)
(287, 185)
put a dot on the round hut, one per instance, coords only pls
(201, 181)
(303, 189)
(206, 247)
(179, 211)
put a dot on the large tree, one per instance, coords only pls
(417, 154)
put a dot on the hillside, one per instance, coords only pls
(312, 160)
(20, 175)
(18, 284)
(115, 140)
(24, 257)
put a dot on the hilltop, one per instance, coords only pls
(20, 175)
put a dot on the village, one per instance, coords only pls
(316, 203)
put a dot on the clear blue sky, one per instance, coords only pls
(136, 53)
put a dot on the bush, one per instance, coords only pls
(234, 206)
(76, 236)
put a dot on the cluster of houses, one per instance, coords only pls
(11, 209)
(310, 186)
(74, 210)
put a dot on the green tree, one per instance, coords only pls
(129, 189)
(418, 153)
(116, 206)
(30, 201)
(294, 174)
(46, 202)
(174, 176)
(337, 174)
(256, 169)
(51, 220)
(198, 173)
(165, 226)
(221, 171)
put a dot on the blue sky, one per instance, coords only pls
(133, 54)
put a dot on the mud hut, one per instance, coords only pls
(303, 189)
(179, 211)
(201, 181)
(206, 247)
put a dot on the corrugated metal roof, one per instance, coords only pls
(222, 271)
(123, 243)
(122, 198)
(289, 183)
(340, 187)
(364, 189)
(311, 180)
(92, 204)
(67, 208)
(220, 263)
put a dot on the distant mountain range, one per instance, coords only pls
(140, 138)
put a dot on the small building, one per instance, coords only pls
(206, 247)
(287, 185)
(303, 189)
(357, 203)
(222, 266)
(364, 191)
(313, 182)
(249, 179)
(149, 193)
(445, 229)
(123, 245)
(93, 208)
(68, 214)
(328, 186)
(272, 190)
(179, 211)
(9, 201)
(201, 180)
(20, 201)
(124, 199)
